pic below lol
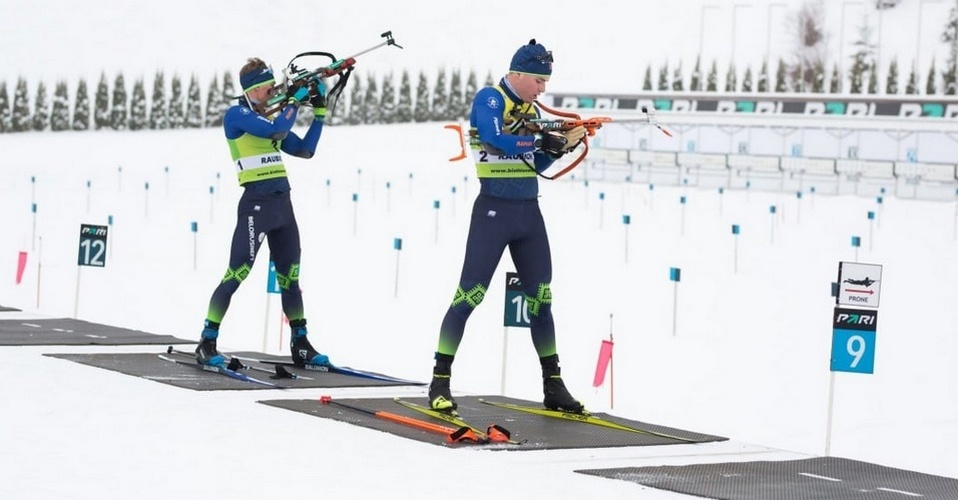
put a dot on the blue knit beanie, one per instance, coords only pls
(256, 78)
(532, 59)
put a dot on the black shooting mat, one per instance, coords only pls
(821, 478)
(4, 308)
(150, 366)
(68, 331)
(539, 432)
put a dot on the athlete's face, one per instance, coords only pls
(528, 86)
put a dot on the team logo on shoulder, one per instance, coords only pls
(245, 111)
(492, 102)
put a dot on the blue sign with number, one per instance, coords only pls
(853, 340)
(516, 313)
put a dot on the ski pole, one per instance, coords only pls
(463, 434)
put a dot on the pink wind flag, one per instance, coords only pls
(605, 356)
(21, 266)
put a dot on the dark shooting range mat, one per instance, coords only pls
(538, 431)
(824, 478)
(7, 309)
(67, 331)
(151, 366)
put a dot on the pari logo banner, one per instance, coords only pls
(772, 105)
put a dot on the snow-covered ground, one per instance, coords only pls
(747, 357)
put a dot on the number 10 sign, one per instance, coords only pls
(516, 313)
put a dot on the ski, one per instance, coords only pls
(330, 368)
(500, 436)
(221, 369)
(584, 418)
(234, 364)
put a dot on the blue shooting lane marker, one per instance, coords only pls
(651, 198)
(771, 211)
(388, 196)
(682, 219)
(601, 207)
(33, 238)
(435, 206)
(735, 233)
(721, 191)
(355, 213)
(89, 185)
(453, 202)
(871, 229)
(119, 182)
(329, 194)
(856, 243)
(397, 246)
(193, 229)
(675, 275)
(626, 220)
(798, 196)
(166, 181)
(212, 203)
(146, 199)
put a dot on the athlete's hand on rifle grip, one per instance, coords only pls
(573, 137)
(297, 93)
(553, 143)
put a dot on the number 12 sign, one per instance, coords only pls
(853, 340)
(92, 246)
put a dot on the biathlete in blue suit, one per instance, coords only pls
(265, 210)
(509, 157)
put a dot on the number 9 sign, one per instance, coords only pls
(853, 340)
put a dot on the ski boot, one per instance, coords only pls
(206, 353)
(440, 396)
(302, 351)
(557, 397)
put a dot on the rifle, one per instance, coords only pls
(342, 68)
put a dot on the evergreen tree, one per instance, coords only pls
(214, 105)
(20, 119)
(677, 79)
(60, 116)
(695, 84)
(158, 117)
(949, 75)
(489, 81)
(647, 81)
(118, 117)
(81, 108)
(891, 83)
(357, 108)
(835, 83)
(4, 108)
(371, 101)
(41, 113)
(912, 86)
(930, 85)
(194, 105)
(440, 98)
(176, 114)
(456, 99)
(780, 75)
(101, 105)
(762, 85)
(664, 77)
(423, 109)
(711, 82)
(138, 113)
(471, 89)
(404, 108)
(229, 93)
(387, 101)
(872, 79)
(731, 79)
(818, 81)
(747, 80)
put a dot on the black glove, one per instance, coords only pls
(552, 143)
